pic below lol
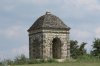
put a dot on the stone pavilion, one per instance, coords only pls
(49, 38)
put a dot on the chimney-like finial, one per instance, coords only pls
(48, 12)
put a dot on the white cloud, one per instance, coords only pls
(88, 4)
(79, 9)
(87, 1)
(13, 32)
(21, 50)
(9, 8)
(69, 8)
(97, 31)
(14, 52)
(41, 1)
(80, 34)
(19, 35)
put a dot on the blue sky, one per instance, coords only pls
(16, 16)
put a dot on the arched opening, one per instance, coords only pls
(36, 50)
(56, 48)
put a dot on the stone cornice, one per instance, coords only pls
(66, 29)
(49, 32)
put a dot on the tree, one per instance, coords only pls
(77, 50)
(96, 47)
(82, 50)
(74, 48)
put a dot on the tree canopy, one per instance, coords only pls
(96, 47)
(77, 50)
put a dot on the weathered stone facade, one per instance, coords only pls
(49, 42)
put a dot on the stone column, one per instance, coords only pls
(51, 50)
(61, 50)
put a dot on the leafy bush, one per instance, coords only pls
(9, 61)
(20, 59)
(50, 60)
(0, 63)
(42, 61)
(4, 62)
(33, 61)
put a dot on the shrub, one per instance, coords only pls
(50, 60)
(20, 59)
(9, 61)
(33, 61)
(0, 63)
(42, 61)
(4, 62)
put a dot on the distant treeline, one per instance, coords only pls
(79, 50)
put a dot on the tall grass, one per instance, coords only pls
(87, 58)
(33, 61)
(20, 60)
(50, 60)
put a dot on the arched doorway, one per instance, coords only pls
(36, 50)
(56, 48)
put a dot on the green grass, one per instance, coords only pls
(85, 60)
(62, 64)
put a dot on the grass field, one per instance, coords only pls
(62, 64)
(80, 61)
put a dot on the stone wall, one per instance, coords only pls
(45, 43)
(35, 48)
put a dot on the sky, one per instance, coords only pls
(16, 16)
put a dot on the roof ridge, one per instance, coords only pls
(48, 21)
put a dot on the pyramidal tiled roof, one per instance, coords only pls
(48, 21)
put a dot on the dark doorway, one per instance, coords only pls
(36, 50)
(56, 48)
